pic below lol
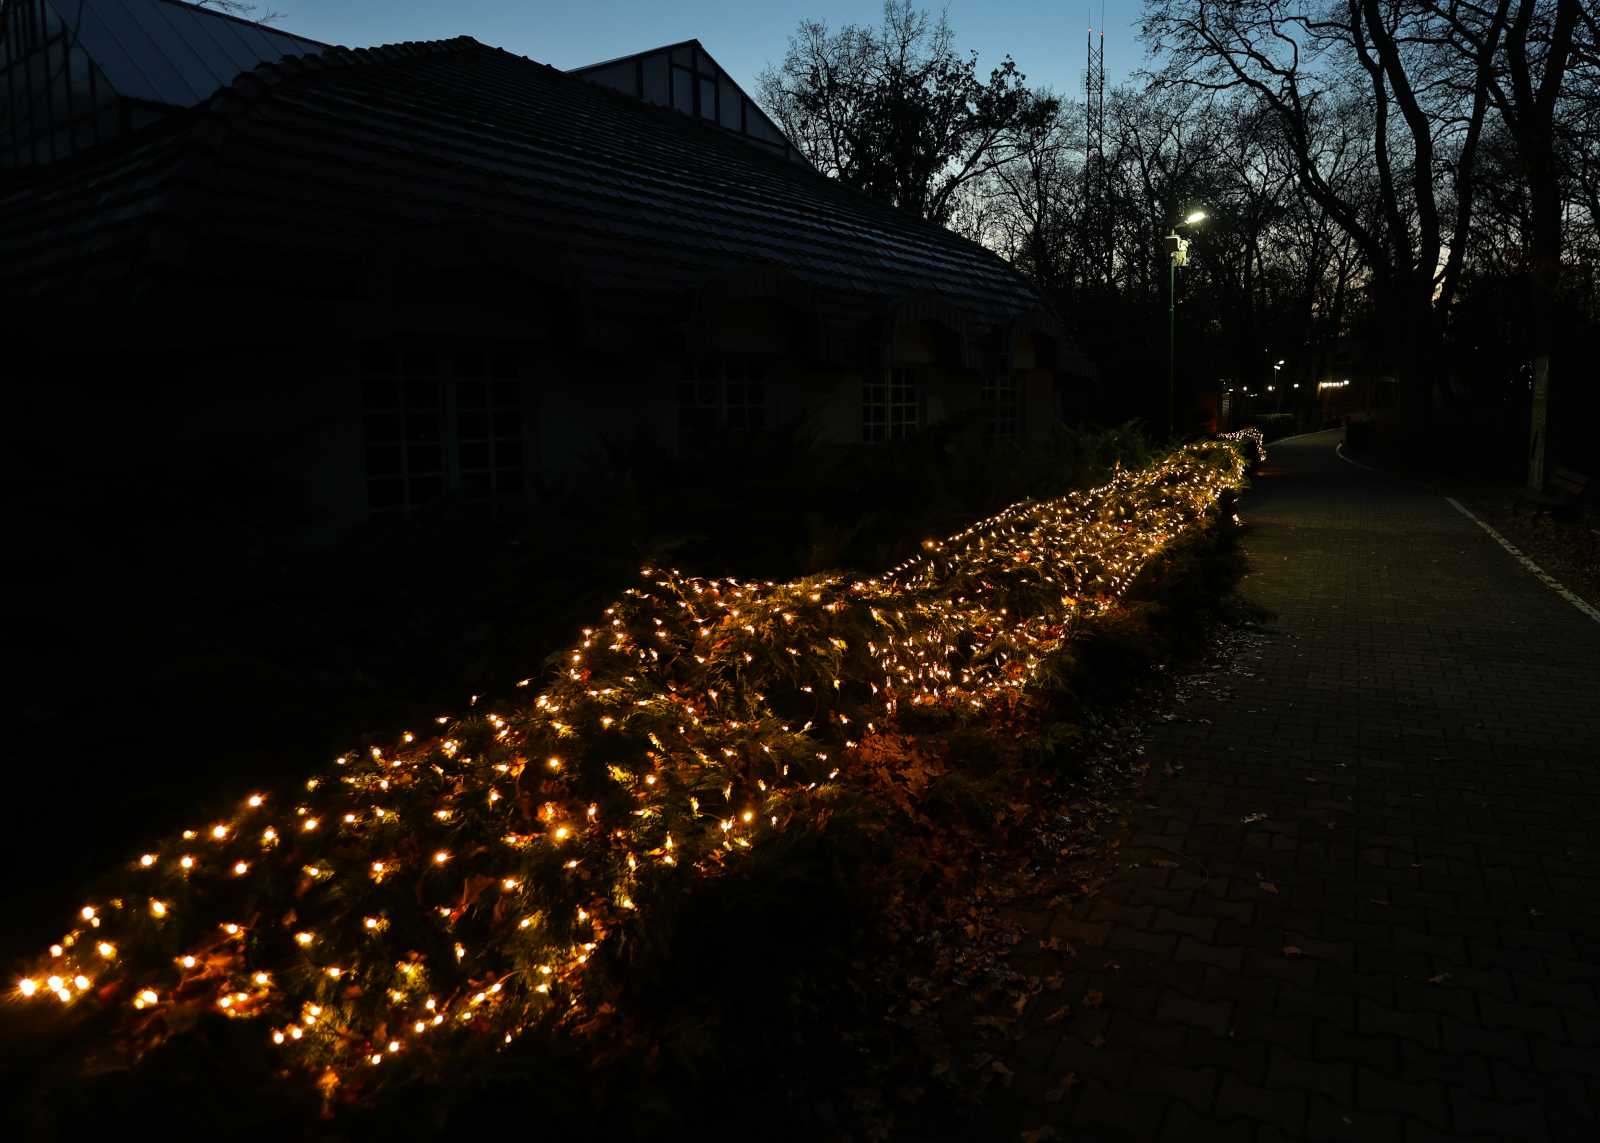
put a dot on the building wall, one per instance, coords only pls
(276, 436)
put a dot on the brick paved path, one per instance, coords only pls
(1367, 907)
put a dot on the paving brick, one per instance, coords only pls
(1527, 1017)
(1331, 1078)
(1199, 952)
(1131, 1115)
(1376, 1019)
(1134, 917)
(1375, 1092)
(1449, 1067)
(1200, 928)
(1196, 1087)
(1331, 1121)
(1339, 952)
(1210, 1015)
(1128, 939)
(1105, 1063)
(1325, 1007)
(1085, 933)
(1280, 966)
(1492, 1043)
(1474, 1115)
(1185, 1125)
(1145, 1036)
(1280, 1108)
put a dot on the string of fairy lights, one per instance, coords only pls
(459, 882)
(1249, 433)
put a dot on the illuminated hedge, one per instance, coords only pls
(1252, 435)
(456, 885)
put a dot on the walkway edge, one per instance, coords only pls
(1538, 572)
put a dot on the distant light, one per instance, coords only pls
(1194, 217)
(1280, 362)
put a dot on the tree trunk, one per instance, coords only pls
(1545, 199)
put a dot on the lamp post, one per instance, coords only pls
(1277, 402)
(1178, 254)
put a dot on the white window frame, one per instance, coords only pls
(482, 441)
(1001, 394)
(708, 385)
(891, 406)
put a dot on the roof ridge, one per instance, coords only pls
(224, 15)
(270, 74)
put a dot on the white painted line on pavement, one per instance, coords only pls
(1357, 463)
(1312, 433)
(1538, 572)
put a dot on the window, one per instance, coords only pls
(1002, 401)
(721, 395)
(891, 409)
(441, 422)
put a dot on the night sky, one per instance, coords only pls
(1047, 40)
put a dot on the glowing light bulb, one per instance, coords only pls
(27, 987)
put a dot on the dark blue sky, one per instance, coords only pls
(1047, 40)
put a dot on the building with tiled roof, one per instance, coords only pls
(399, 274)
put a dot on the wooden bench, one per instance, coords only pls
(1564, 492)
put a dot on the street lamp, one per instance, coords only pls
(1278, 404)
(1178, 253)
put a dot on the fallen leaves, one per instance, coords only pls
(1293, 951)
(1439, 978)
(1248, 818)
(1065, 1084)
(1093, 998)
(1267, 886)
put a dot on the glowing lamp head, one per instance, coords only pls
(1195, 216)
(27, 987)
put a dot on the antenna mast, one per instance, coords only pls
(1096, 199)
